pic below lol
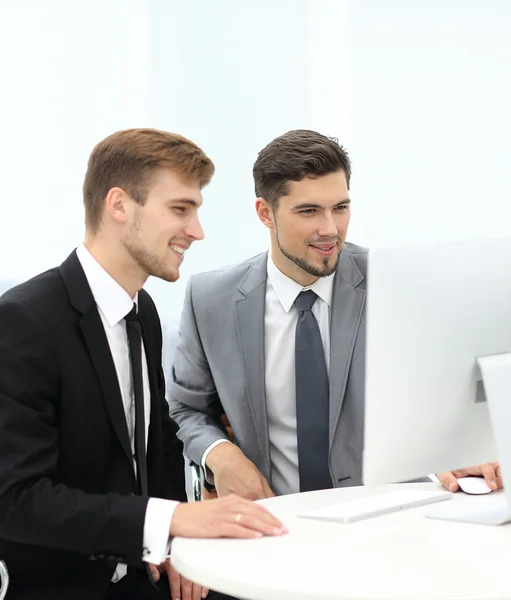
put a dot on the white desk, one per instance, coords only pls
(400, 556)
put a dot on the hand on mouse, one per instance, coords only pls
(490, 472)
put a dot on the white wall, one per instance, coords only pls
(418, 92)
(232, 76)
(70, 74)
(229, 75)
(431, 125)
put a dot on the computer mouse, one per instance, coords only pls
(474, 485)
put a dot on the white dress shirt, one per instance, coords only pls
(280, 319)
(114, 303)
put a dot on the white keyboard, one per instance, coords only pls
(378, 504)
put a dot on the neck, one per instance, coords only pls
(290, 269)
(116, 261)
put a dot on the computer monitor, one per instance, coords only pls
(438, 363)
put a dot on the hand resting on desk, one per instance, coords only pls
(231, 517)
(490, 472)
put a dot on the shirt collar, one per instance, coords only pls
(287, 289)
(112, 299)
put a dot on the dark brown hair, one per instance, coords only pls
(291, 157)
(129, 158)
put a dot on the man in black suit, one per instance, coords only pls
(91, 470)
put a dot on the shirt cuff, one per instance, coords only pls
(208, 474)
(158, 518)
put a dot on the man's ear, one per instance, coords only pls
(265, 213)
(116, 204)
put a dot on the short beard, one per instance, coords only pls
(326, 271)
(150, 264)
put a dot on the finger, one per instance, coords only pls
(475, 470)
(498, 472)
(154, 572)
(459, 473)
(488, 472)
(255, 523)
(174, 583)
(239, 505)
(233, 530)
(449, 481)
(196, 592)
(204, 592)
(186, 590)
(252, 516)
(260, 512)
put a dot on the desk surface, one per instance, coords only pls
(402, 556)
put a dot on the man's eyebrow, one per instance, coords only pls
(189, 201)
(305, 205)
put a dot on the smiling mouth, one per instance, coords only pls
(178, 249)
(324, 249)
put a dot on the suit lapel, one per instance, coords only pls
(347, 309)
(250, 307)
(99, 351)
(94, 336)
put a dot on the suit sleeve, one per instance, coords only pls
(174, 485)
(193, 398)
(35, 508)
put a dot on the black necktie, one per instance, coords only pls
(135, 344)
(312, 398)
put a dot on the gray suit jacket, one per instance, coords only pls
(219, 364)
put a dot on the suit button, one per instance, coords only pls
(93, 557)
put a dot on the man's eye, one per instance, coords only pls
(341, 207)
(179, 209)
(307, 211)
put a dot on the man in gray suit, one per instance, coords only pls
(277, 342)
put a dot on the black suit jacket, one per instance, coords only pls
(68, 505)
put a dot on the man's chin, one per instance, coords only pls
(312, 264)
(172, 277)
(326, 268)
(317, 270)
(168, 276)
(326, 272)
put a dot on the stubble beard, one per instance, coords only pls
(149, 263)
(324, 271)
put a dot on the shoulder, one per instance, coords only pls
(359, 255)
(31, 312)
(146, 303)
(41, 295)
(226, 277)
(147, 308)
